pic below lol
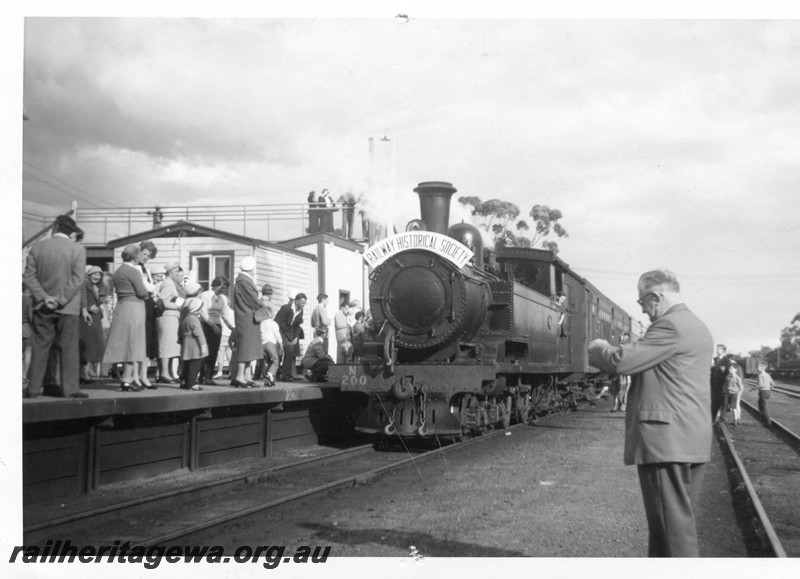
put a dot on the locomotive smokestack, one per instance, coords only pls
(434, 204)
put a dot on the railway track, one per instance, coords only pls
(767, 460)
(166, 517)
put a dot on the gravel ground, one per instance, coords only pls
(556, 489)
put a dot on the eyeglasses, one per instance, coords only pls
(641, 301)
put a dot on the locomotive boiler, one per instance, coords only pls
(463, 339)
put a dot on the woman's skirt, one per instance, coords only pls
(126, 339)
(151, 333)
(248, 341)
(168, 344)
(92, 344)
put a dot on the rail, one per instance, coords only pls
(772, 536)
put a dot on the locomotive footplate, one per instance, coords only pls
(411, 400)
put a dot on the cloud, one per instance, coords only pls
(664, 142)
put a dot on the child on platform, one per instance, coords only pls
(733, 393)
(194, 347)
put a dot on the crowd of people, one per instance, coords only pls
(727, 387)
(322, 207)
(81, 324)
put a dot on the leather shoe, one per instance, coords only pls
(165, 380)
(79, 395)
(126, 387)
(27, 394)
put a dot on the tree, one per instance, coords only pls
(765, 353)
(498, 217)
(790, 341)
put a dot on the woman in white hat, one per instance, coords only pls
(171, 295)
(247, 329)
(91, 343)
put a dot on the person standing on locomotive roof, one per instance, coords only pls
(667, 426)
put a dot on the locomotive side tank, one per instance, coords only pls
(463, 340)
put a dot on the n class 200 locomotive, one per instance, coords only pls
(462, 340)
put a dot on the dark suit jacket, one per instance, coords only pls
(290, 323)
(669, 402)
(56, 267)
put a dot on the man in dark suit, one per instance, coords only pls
(719, 370)
(667, 426)
(55, 272)
(290, 320)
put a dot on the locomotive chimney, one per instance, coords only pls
(434, 204)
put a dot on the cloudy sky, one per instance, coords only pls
(665, 143)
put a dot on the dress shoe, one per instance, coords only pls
(128, 387)
(79, 395)
(151, 386)
(84, 381)
(165, 380)
(27, 394)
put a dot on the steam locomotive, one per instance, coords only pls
(464, 339)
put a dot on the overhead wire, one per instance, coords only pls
(94, 199)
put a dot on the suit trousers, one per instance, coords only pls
(210, 362)
(289, 364)
(52, 330)
(671, 491)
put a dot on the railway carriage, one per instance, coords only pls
(464, 339)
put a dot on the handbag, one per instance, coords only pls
(159, 307)
(260, 315)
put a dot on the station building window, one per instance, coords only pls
(207, 266)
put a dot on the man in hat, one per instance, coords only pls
(290, 320)
(266, 298)
(55, 272)
(321, 319)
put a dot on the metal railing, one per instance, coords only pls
(274, 222)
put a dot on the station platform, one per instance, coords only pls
(74, 446)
